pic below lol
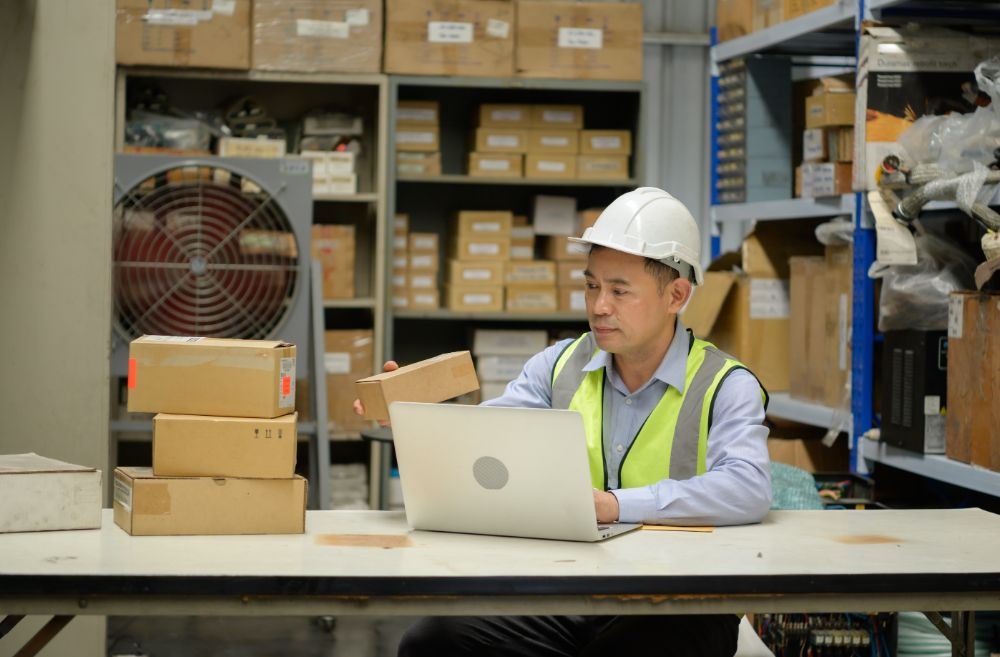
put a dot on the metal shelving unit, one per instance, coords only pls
(826, 31)
(784, 406)
(460, 179)
(450, 315)
(934, 466)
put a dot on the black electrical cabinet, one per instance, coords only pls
(915, 390)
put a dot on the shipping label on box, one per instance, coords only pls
(496, 165)
(450, 37)
(605, 142)
(553, 140)
(475, 298)
(421, 279)
(422, 243)
(255, 147)
(480, 247)
(333, 36)
(212, 446)
(565, 117)
(418, 112)
(579, 40)
(424, 260)
(501, 140)
(550, 165)
(505, 116)
(211, 376)
(146, 505)
(43, 494)
(433, 380)
(424, 299)
(462, 272)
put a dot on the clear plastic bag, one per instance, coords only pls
(916, 296)
(152, 129)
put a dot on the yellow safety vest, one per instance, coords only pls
(673, 441)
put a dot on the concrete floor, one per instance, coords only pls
(204, 636)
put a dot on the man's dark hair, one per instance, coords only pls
(663, 274)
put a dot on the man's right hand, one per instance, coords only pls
(359, 408)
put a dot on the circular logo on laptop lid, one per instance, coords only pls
(490, 472)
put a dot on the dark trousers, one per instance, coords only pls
(579, 636)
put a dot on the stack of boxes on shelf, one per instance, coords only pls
(501, 355)
(333, 245)
(224, 439)
(326, 141)
(415, 266)
(736, 18)
(500, 141)
(478, 251)
(828, 140)
(418, 138)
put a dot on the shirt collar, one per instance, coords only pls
(672, 369)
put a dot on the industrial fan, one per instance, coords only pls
(210, 247)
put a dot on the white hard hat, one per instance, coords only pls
(651, 223)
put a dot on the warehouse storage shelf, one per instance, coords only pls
(361, 302)
(515, 83)
(490, 316)
(782, 405)
(458, 179)
(252, 76)
(346, 198)
(825, 31)
(934, 466)
(795, 208)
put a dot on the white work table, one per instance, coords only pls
(795, 561)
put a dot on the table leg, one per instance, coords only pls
(8, 623)
(43, 636)
(961, 633)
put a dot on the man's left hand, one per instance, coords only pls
(607, 506)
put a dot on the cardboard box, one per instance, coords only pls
(433, 380)
(605, 142)
(496, 165)
(839, 285)
(972, 433)
(424, 299)
(794, 9)
(807, 328)
(334, 246)
(589, 217)
(43, 494)
(145, 505)
(570, 273)
(767, 13)
(348, 356)
(421, 279)
(554, 215)
(531, 298)
(899, 71)
(572, 299)
(809, 454)
(830, 109)
(422, 243)
(472, 223)
(550, 165)
(553, 140)
(477, 272)
(418, 164)
(252, 147)
(602, 167)
(501, 140)
(828, 144)
(563, 117)
(747, 314)
(504, 116)
(501, 342)
(424, 260)
(173, 33)
(579, 40)
(418, 112)
(480, 247)
(211, 376)
(535, 272)
(474, 298)
(820, 179)
(813, 5)
(522, 249)
(418, 138)
(211, 446)
(557, 247)
(733, 18)
(450, 37)
(330, 36)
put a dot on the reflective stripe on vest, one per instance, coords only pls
(673, 441)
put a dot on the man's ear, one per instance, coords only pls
(679, 292)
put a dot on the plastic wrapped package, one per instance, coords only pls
(335, 36)
(150, 129)
(916, 296)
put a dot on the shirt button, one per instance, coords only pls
(628, 402)
(619, 448)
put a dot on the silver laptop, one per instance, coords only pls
(502, 471)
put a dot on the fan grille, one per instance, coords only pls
(202, 250)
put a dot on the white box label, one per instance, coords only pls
(224, 7)
(404, 137)
(415, 114)
(497, 28)
(337, 362)
(307, 27)
(768, 298)
(476, 275)
(479, 248)
(508, 115)
(493, 165)
(422, 261)
(399, 280)
(606, 143)
(555, 141)
(557, 116)
(177, 16)
(932, 405)
(286, 383)
(956, 316)
(552, 167)
(358, 17)
(423, 281)
(425, 299)
(486, 226)
(477, 299)
(449, 32)
(424, 243)
(812, 144)
(399, 262)
(503, 141)
(579, 37)
(123, 494)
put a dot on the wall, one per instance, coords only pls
(56, 116)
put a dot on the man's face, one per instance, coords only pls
(626, 312)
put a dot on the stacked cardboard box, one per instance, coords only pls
(224, 439)
(478, 251)
(501, 355)
(333, 245)
(418, 138)
(500, 141)
(334, 172)
(736, 18)
(348, 356)
(828, 141)
(415, 265)
(553, 163)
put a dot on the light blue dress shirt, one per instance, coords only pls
(736, 487)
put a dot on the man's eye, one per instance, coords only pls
(619, 293)
(591, 286)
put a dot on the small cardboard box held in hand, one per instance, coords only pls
(211, 376)
(433, 380)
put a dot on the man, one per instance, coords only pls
(674, 431)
